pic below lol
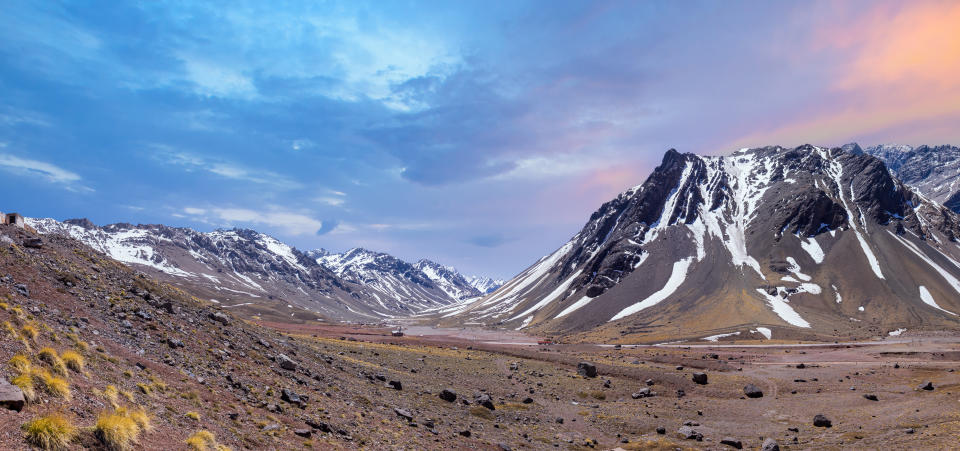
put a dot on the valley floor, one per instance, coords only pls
(797, 381)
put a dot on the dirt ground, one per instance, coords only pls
(798, 382)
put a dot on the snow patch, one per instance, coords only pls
(927, 298)
(782, 308)
(719, 336)
(677, 277)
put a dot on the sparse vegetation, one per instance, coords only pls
(26, 385)
(52, 432)
(49, 356)
(111, 393)
(204, 440)
(20, 363)
(53, 385)
(73, 360)
(29, 331)
(120, 429)
(193, 416)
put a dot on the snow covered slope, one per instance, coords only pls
(246, 268)
(805, 242)
(393, 282)
(933, 171)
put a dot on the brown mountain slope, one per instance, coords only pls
(802, 243)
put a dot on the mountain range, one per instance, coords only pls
(773, 242)
(250, 271)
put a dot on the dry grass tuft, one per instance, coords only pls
(25, 383)
(49, 356)
(52, 432)
(20, 363)
(193, 416)
(117, 430)
(29, 331)
(111, 393)
(53, 385)
(204, 440)
(73, 360)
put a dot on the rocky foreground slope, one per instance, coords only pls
(792, 243)
(254, 273)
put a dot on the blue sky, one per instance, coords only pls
(477, 134)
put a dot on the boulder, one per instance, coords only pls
(927, 386)
(821, 421)
(285, 362)
(484, 400)
(396, 385)
(752, 391)
(689, 433)
(700, 378)
(305, 433)
(219, 317)
(731, 442)
(871, 397)
(770, 445)
(448, 395)
(587, 369)
(11, 397)
(402, 413)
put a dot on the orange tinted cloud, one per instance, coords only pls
(896, 77)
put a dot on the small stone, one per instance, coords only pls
(770, 445)
(402, 413)
(752, 391)
(731, 442)
(587, 369)
(927, 386)
(821, 421)
(689, 433)
(871, 397)
(396, 385)
(448, 395)
(661, 430)
(700, 378)
(285, 362)
(305, 433)
(11, 397)
(528, 400)
(219, 317)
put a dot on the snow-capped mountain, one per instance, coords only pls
(247, 269)
(484, 285)
(933, 171)
(795, 243)
(420, 285)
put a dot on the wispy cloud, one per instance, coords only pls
(42, 170)
(220, 167)
(286, 221)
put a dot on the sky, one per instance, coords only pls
(477, 134)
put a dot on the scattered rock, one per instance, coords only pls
(285, 362)
(752, 391)
(319, 425)
(219, 317)
(396, 385)
(871, 397)
(731, 442)
(405, 414)
(587, 369)
(175, 343)
(11, 397)
(33, 243)
(448, 395)
(927, 386)
(484, 400)
(770, 445)
(305, 433)
(689, 433)
(661, 430)
(821, 421)
(700, 378)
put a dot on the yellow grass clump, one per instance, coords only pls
(73, 360)
(49, 356)
(111, 393)
(53, 385)
(20, 363)
(25, 383)
(29, 331)
(52, 432)
(204, 440)
(121, 428)
(193, 416)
